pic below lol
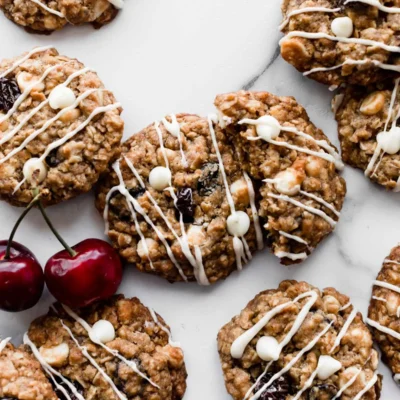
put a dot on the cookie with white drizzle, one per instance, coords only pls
(369, 133)
(112, 350)
(59, 127)
(294, 164)
(384, 312)
(298, 342)
(177, 203)
(21, 375)
(47, 16)
(342, 41)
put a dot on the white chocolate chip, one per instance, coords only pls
(25, 79)
(34, 171)
(102, 331)
(390, 140)
(342, 27)
(238, 186)
(160, 178)
(287, 182)
(61, 97)
(268, 348)
(55, 356)
(238, 223)
(268, 128)
(327, 366)
(196, 235)
(373, 103)
(142, 250)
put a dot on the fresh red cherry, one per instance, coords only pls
(21, 278)
(92, 272)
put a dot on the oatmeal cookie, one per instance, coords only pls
(59, 127)
(299, 342)
(294, 164)
(342, 41)
(368, 119)
(21, 376)
(47, 16)
(177, 203)
(111, 350)
(384, 311)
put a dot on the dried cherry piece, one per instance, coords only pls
(279, 390)
(61, 395)
(185, 204)
(208, 180)
(9, 93)
(52, 160)
(323, 392)
(136, 192)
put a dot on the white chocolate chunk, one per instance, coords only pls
(160, 178)
(117, 3)
(390, 141)
(196, 235)
(143, 250)
(34, 171)
(238, 224)
(102, 331)
(268, 128)
(55, 356)
(327, 366)
(61, 97)
(342, 27)
(268, 348)
(25, 79)
(238, 186)
(286, 182)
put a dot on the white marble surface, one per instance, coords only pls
(175, 56)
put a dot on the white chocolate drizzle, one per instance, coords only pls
(164, 328)
(239, 345)
(322, 35)
(387, 261)
(383, 329)
(379, 299)
(3, 344)
(387, 286)
(52, 372)
(310, 209)
(237, 242)
(23, 59)
(48, 9)
(92, 361)
(346, 306)
(322, 201)
(174, 129)
(291, 256)
(367, 387)
(331, 154)
(131, 364)
(344, 330)
(377, 4)
(295, 359)
(256, 218)
(293, 237)
(307, 10)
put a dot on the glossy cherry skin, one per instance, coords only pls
(94, 273)
(21, 278)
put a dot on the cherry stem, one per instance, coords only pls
(71, 252)
(32, 204)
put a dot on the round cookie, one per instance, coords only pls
(47, 16)
(294, 164)
(112, 350)
(384, 311)
(368, 119)
(177, 204)
(298, 342)
(59, 127)
(342, 41)
(21, 376)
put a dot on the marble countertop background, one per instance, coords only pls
(173, 56)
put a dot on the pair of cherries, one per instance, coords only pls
(77, 276)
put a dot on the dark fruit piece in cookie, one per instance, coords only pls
(278, 390)
(136, 192)
(52, 160)
(185, 204)
(9, 93)
(323, 392)
(21, 278)
(92, 272)
(61, 395)
(209, 179)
